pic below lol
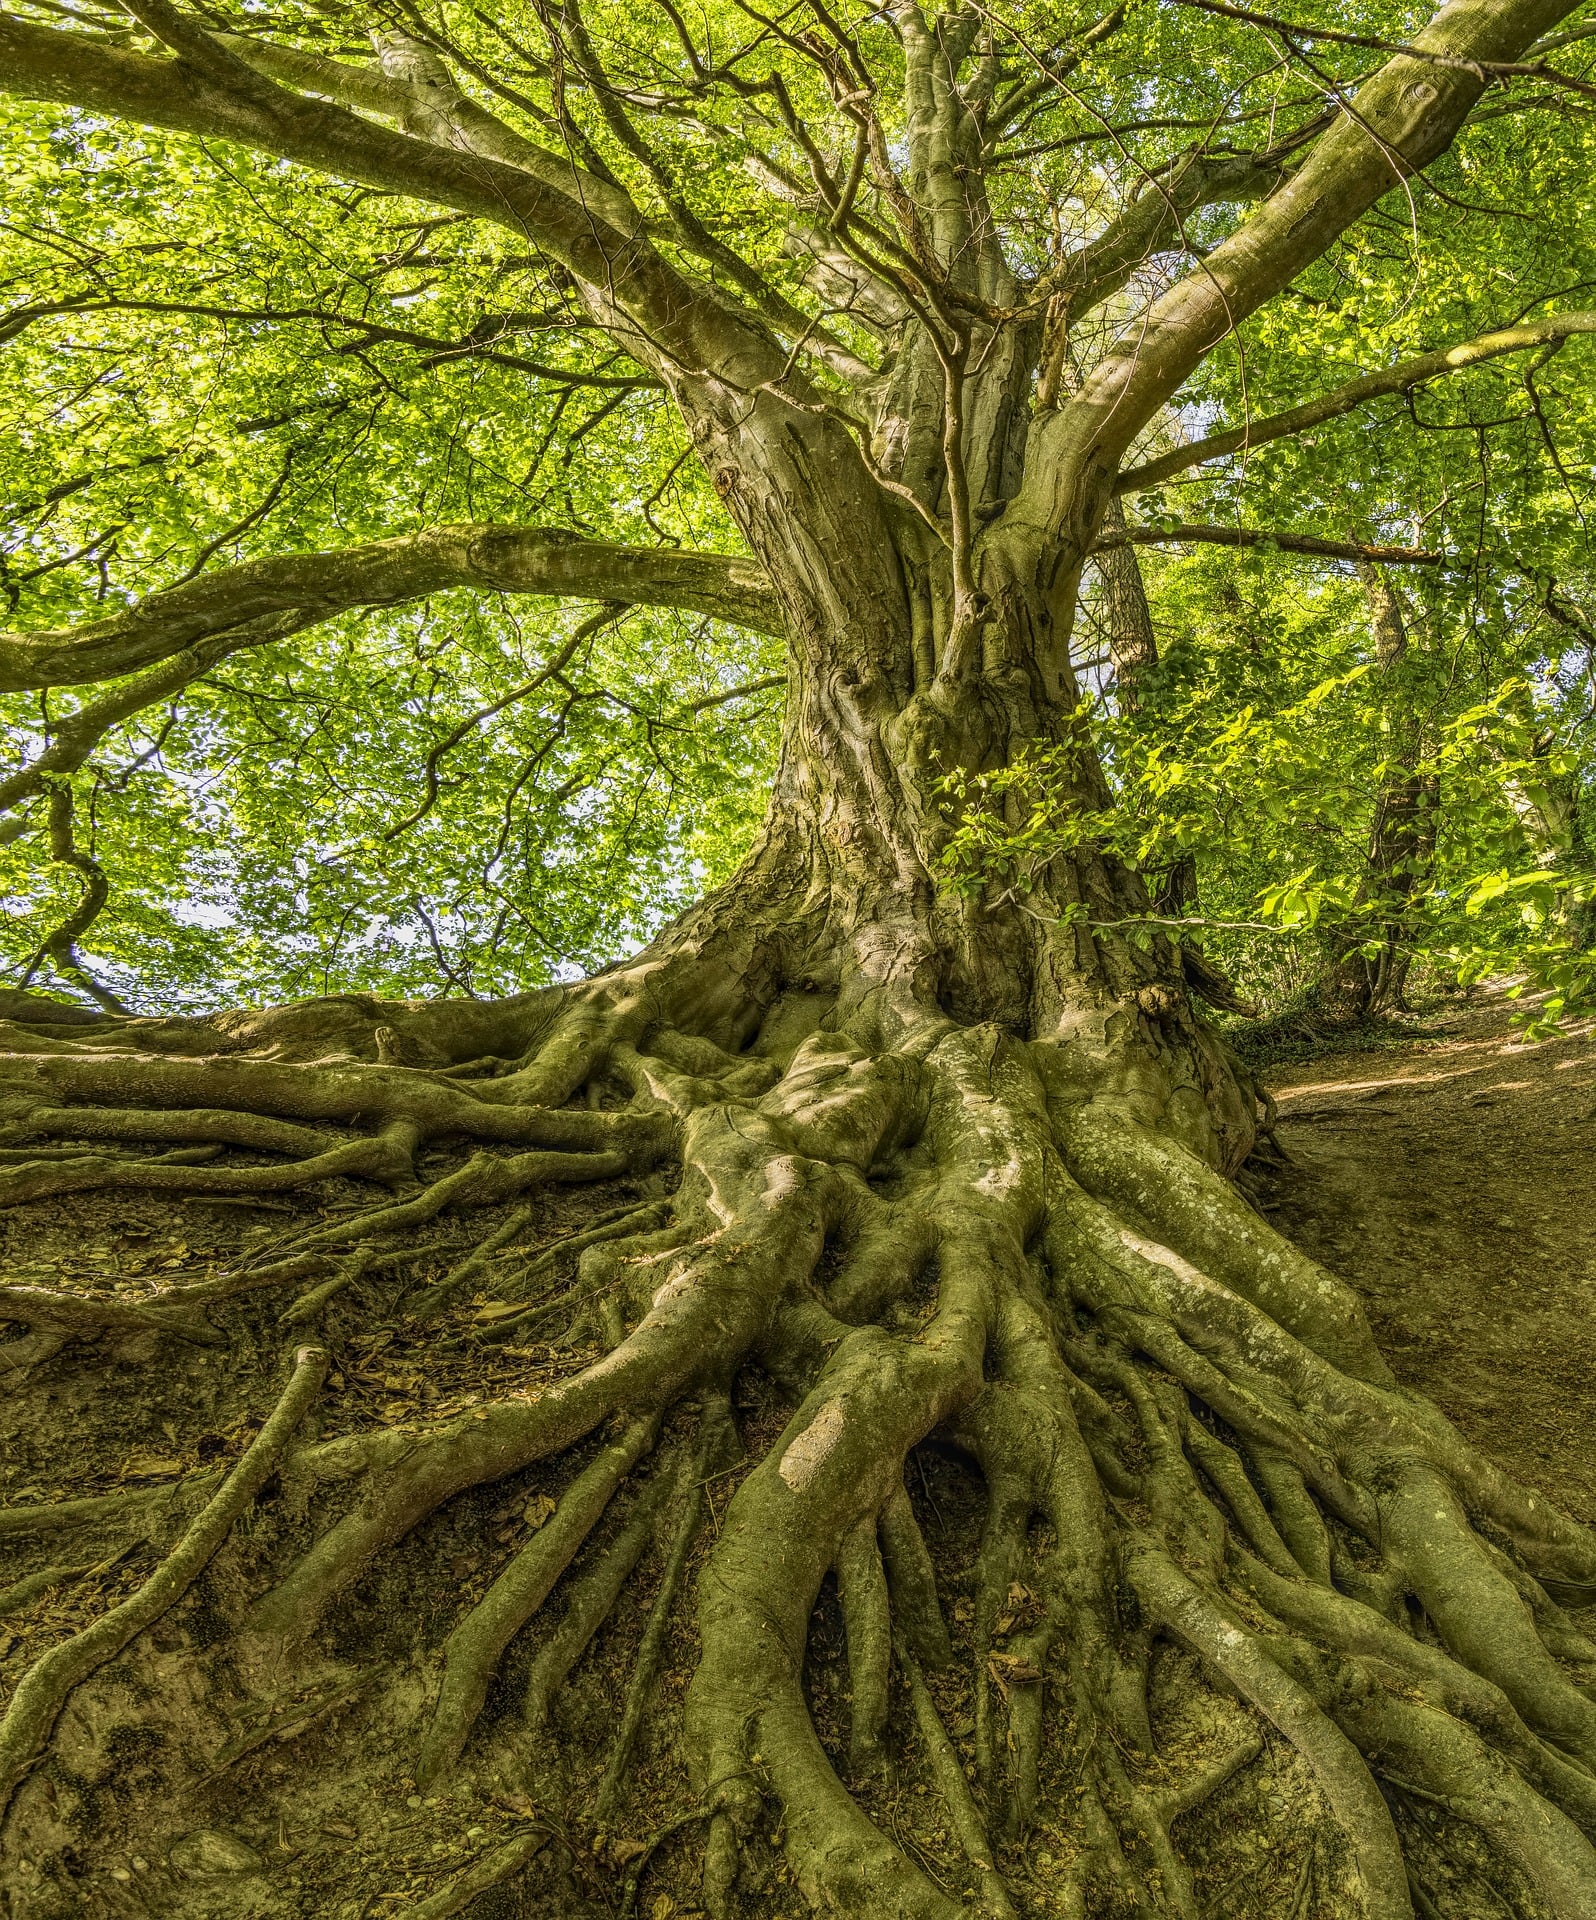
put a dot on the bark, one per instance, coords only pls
(270, 599)
(901, 1177)
(1368, 975)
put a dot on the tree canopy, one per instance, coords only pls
(747, 610)
(225, 349)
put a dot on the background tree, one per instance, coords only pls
(357, 333)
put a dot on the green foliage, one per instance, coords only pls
(295, 391)
(260, 849)
(1270, 779)
(211, 354)
(1007, 825)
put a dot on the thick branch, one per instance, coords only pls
(1401, 378)
(209, 90)
(1154, 220)
(1289, 31)
(1401, 120)
(81, 732)
(288, 592)
(429, 105)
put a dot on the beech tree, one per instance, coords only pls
(937, 1166)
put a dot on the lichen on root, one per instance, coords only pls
(1204, 1530)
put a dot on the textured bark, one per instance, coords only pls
(270, 599)
(953, 1186)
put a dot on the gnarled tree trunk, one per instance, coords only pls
(910, 1180)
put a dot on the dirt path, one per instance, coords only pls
(1450, 1180)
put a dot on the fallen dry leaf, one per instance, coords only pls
(1011, 1670)
(149, 1466)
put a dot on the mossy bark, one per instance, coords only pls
(954, 1188)
(953, 1179)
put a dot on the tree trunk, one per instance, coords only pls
(952, 1189)
(921, 1320)
(1369, 972)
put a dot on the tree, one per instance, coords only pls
(953, 1159)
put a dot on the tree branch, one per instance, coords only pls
(655, 310)
(284, 593)
(476, 344)
(1289, 30)
(416, 88)
(765, 684)
(685, 226)
(1051, 74)
(81, 732)
(1402, 118)
(1264, 537)
(1097, 271)
(1401, 378)
(413, 87)
(61, 945)
(605, 615)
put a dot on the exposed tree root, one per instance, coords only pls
(916, 1234)
(21, 1594)
(491, 1871)
(67, 1313)
(44, 1688)
(645, 1669)
(945, 1770)
(473, 1649)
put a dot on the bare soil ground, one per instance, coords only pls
(1449, 1178)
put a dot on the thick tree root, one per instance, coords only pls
(68, 1314)
(920, 1241)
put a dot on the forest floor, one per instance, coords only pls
(1444, 1170)
(1447, 1176)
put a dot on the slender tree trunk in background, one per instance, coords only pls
(1133, 651)
(1582, 861)
(1132, 643)
(1551, 811)
(1401, 838)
